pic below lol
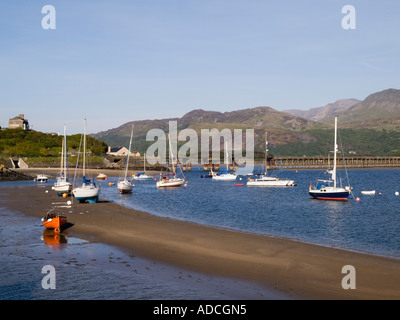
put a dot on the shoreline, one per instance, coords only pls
(297, 269)
(116, 172)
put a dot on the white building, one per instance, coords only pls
(121, 152)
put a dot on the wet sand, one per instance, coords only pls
(296, 269)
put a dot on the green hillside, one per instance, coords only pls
(21, 143)
(361, 142)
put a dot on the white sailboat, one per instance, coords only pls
(170, 180)
(142, 176)
(88, 191)
(62, 184)
(124, 185)
(225, 175)
(328, 189)
(267, 181)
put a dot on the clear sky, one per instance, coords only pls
(124, 60)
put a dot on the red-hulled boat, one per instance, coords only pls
(54, 220)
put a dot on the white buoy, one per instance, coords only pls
(396, 193)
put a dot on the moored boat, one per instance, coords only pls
(41, 178)
(170, 180)
(328, 189)
(369, 192)
(227, 176)
(101, 176)
(124, 185)
(209, 175)
(54, 220)
(62, 184)
(88, 191)
(142, 176)
(267, 181)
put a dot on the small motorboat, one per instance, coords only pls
(371, 192)
(54, 220)
(102, 176)
(41, 178)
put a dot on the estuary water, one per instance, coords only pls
(95, 271)
(370, 225)
(88, 270)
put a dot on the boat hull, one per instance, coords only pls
(62, 187)
(372, 192)
(270, 183)
(144, 178)
(86, 193)
(171, 183)
(125, 187)
(55, 223)
(225, 176)
(333, 195)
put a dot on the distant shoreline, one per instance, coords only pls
(30, 173)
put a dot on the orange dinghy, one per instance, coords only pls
(54, 220)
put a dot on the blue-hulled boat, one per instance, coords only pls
(328, 189)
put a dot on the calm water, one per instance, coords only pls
(371, 225)
(87, 270)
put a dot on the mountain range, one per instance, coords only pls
(293, 132)
(377, 110)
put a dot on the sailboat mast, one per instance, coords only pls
(334, 155)
(66, 171)
(266, 153)
(227, 155)
(129, 152)
(171, 154)
(62, 155)
(84, 147)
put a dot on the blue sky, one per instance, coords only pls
(118, 61)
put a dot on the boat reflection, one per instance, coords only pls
(53, 239)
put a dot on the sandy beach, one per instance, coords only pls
(300, 270)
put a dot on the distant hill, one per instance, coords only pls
(293, 132)
(378, 110)
(327, 111)
(282, 127)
